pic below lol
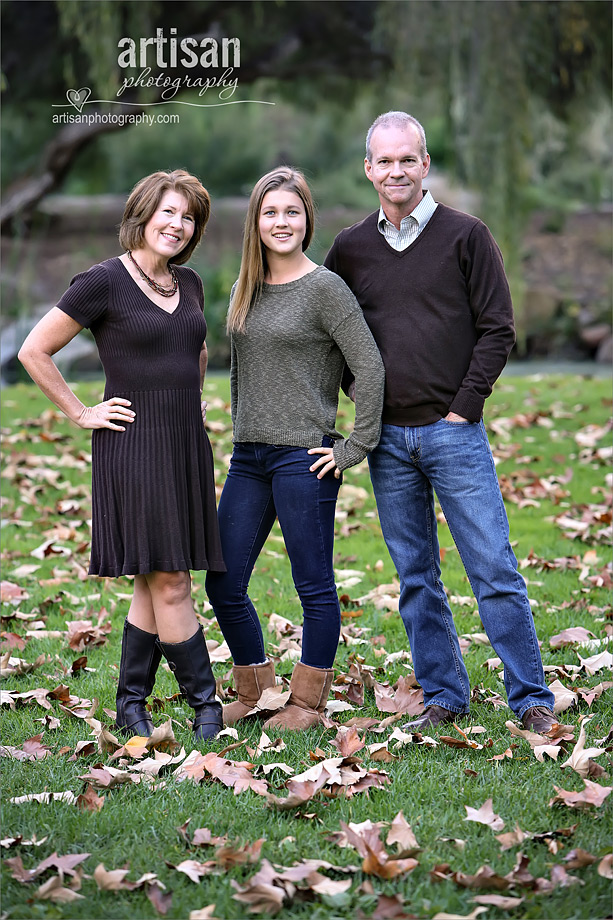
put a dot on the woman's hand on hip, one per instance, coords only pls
(106, 414)
(203, 405)
(326, 463)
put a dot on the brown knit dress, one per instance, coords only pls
(153, 492)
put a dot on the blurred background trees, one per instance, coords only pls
(514, 96)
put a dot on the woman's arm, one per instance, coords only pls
(204, 360)
(54, 331)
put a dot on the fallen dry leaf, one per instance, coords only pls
(401, 834)
(347, 741)
(90, 800)
(376, 860)
(112, 880)
(596, 662)
(484, 815)
(161, 902)
(498, 900)
(580, 757)
(575, 635)
(579, 858)
(605, 866)
(592, 795)
(512, 838)
(204, 913)
(260, 892)
(564, 698)
(53, 890)
(405, 700)
(442, 915)
(45, 798)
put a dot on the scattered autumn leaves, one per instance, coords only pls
(349, 761)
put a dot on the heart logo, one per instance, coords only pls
(78, 97)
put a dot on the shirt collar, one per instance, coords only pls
(421, 214)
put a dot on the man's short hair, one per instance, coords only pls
(397, 120)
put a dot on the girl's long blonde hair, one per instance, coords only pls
(253, 261)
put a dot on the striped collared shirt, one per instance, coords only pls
(410, 227)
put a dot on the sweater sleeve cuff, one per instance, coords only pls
(347, 453)
(468, 405)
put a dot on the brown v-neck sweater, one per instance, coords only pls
(440, 312)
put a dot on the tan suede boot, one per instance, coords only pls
(309, 688)
(250, 681)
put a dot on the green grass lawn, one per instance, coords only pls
(551, 439)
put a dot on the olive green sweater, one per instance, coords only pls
(288, 363)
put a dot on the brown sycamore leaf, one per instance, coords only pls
(592, 795)
(387, 908)
(483, 878)
(54, 890)
(300, 791)
(32, 749)
(12, 593)
(261, 893)
(561, 878)
(45, 798)
(83, 634)
(504, 902)
(443, 915)
(406, 699)
(484, 815)
(579, 760)
(347, 741)
(596, 662)
(235, 775)
(65, 865)
(18, 870)
(463, 742)
(18, 841)
(161, 902)
(605, 866)
(574, 635)
(108, 777)
(376, 860)
(229, 856)
(195, 870)
(266, 745)
(579, 858)
(204, 913)
(401, 834)
(564, 698)
(90, 800)
(112, 880)
(271, 700)
(512, 838)
(15, 667)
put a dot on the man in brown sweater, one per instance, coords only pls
(432, 286)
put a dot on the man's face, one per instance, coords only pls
(397, 168)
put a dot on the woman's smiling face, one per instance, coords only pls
(171, 226)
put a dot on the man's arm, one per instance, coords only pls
(492, 310)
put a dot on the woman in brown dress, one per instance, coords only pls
(153, 496)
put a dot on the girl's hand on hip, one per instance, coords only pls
(326, 462)
(102, 415)
(203, 406)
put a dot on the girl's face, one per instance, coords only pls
(283, 222)
(170, 227)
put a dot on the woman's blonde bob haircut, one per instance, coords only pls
(253, 262)
(145, 198)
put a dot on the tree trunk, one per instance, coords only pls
(22, 197)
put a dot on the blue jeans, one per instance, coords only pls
(454, 459)
(265, 482)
